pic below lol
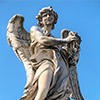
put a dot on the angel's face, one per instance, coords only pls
(47, 19)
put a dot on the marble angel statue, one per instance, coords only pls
(50, 62)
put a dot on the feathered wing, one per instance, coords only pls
(17, 36)
(72, 55)
(19, 39)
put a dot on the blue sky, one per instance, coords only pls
(82, 16)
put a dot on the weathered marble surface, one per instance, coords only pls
(50, 62)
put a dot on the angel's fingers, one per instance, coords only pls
(74, 38)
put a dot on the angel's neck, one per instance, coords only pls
(46, 30)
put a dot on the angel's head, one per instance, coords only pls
(47, 16)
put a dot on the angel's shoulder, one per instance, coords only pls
(34, 28)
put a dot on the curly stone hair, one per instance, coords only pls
(46, 10)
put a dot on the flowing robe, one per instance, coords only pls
(41, 56)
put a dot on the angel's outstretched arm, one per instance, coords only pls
(48, 41)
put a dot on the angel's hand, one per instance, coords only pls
(70, 38)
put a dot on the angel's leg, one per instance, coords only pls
(44, 84)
